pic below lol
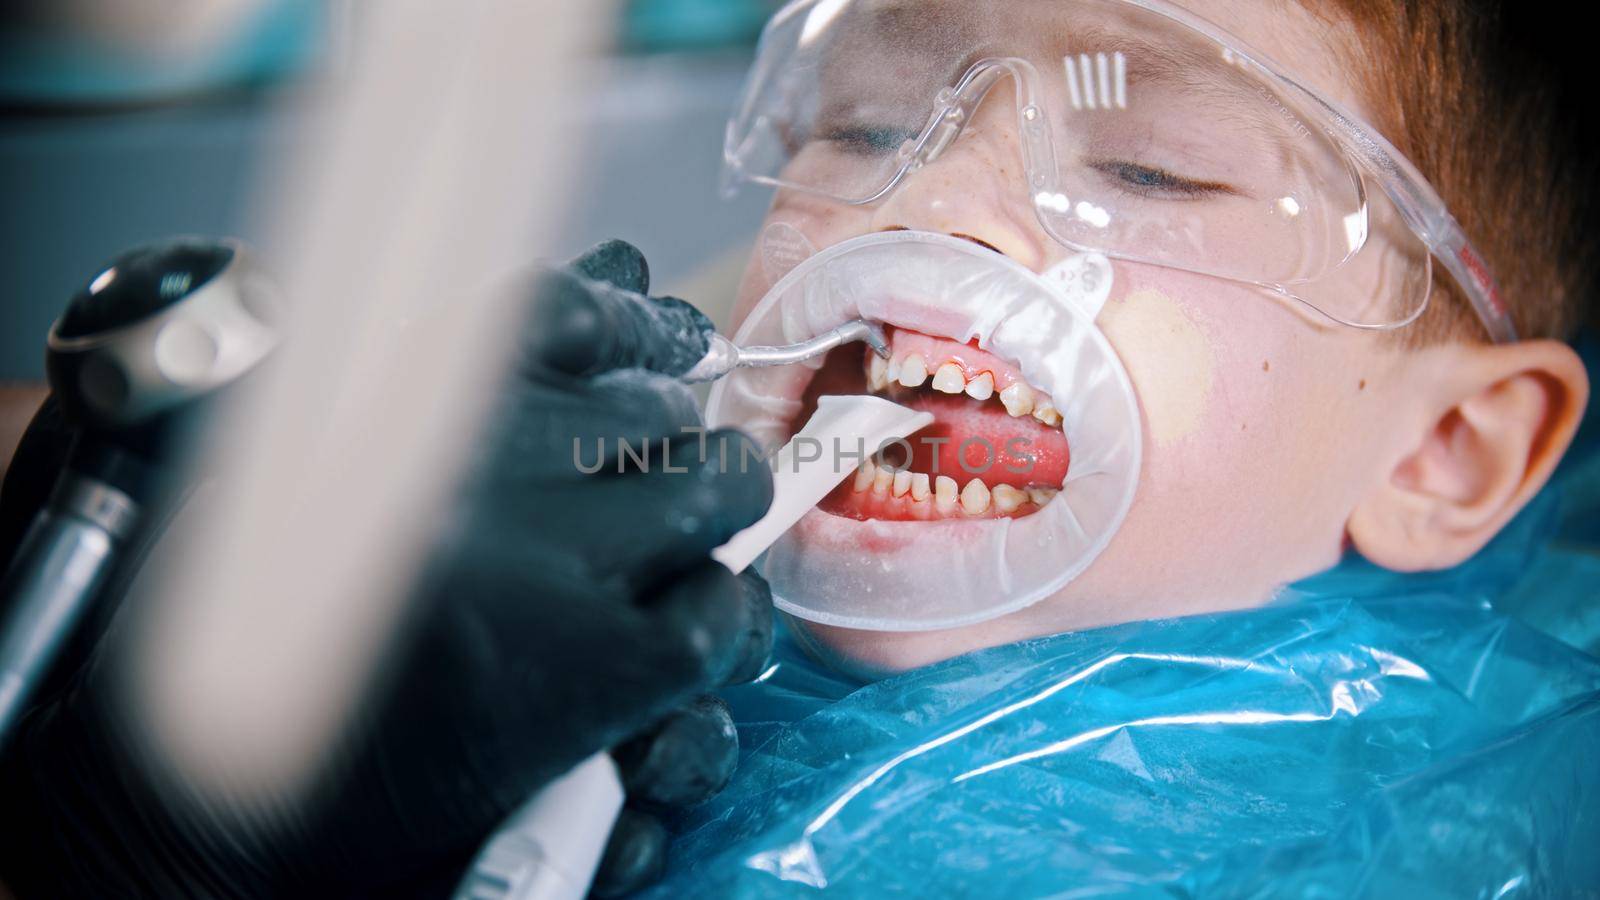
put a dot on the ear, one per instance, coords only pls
(1485, 444)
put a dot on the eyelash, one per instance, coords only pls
(1144, 181)
(1153, 181)
(868, 139)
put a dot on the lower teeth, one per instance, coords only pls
(975, 498)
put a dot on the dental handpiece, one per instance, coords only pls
(144, 344)
(724, 356)
(58, 569)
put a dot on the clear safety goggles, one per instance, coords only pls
(1141, 132)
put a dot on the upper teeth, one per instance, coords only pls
(949, 379)
(877, 372)
(1018, 399)
(912, 371)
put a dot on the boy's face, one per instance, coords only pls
(1263, 425)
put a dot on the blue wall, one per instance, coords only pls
(75, 189)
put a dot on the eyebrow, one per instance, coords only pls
(899, 26)
(1095, 65)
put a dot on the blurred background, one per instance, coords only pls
(121, 122)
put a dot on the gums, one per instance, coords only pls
(981, 458)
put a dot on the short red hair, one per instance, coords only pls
(1485, 98)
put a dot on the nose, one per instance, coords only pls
(975, 189)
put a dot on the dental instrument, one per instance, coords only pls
(724, 356)
(144, 343)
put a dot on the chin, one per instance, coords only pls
(873, 655)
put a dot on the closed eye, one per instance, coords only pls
(1156, 182)
(869, 140)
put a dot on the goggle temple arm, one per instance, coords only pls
(1464, 264)
(1425, 212)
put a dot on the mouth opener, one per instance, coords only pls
(724, 355)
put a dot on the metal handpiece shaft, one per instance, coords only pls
(857, 330)
(725, 356)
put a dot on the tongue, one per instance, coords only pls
(997, 448)
(957, 419)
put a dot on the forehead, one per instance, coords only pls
(1310, 48)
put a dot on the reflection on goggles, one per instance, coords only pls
(1141, 133)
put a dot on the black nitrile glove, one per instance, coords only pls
(687, 758)
(562, 613)
(595, 318)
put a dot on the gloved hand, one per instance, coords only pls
(686, 759)
(562, 613)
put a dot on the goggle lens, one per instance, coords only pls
(1140, 138)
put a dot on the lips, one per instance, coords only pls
(994, 450)
(953, 302)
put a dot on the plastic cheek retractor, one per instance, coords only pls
(921, 575)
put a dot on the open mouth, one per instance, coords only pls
(976, 515)
(995, 449)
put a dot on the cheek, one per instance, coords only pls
(1210, 362)
(1169, 358)
(1227, 382)
(796, 227)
